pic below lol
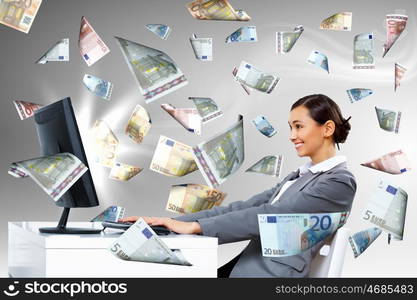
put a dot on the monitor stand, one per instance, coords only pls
(63, 229)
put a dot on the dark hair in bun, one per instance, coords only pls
(323, 109)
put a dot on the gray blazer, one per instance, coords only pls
(329, 191)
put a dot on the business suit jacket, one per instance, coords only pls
(328, 191)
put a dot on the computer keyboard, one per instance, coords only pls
(159, 230)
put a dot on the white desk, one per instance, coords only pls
(34, 254)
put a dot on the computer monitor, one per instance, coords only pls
(58, 132)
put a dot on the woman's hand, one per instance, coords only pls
(171, 224)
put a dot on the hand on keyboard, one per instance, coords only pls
(160, 230)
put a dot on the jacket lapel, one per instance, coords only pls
(292, 175)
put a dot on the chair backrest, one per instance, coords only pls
(329, 261)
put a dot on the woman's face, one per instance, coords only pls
(307, 135)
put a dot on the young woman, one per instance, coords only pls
(324, 184)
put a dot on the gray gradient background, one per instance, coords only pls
(147, 193)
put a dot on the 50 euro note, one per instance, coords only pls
(112, 213)
(222, 155)
(190, 198)
(141, 243)
(291, 234)
(172, 158)
(363, 46)
(139, 124)
(58, 52)
(285, 40)
(216, 10)
(341, 21)
(105, 144)
(248, 75)
(207, 108)
(19, 14)
(268, 165)
(55, 174)
(123, 172)
(395, 24)
(386, 209)
(92, 47)
(189, 118)
(395, 162)
(26, 109)
(202, 47)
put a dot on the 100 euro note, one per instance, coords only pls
(141, 243)
(216, 10)
(191, 198)
(395, 26)
(105, 144)
(55, 174)
(248, 75)
(156, 73)
(285, 40)
(172, 158)
(202, 47)
(268, 165)
(361, 240)
(189, 118)
(112, 213)
(291, 234)
(58, 52)
(207, 108)
(222, 155)
(139, 124)
(92, 47)
(19, 14)
(387, 208)
(26, 109)
(395, 162)
(363, 46)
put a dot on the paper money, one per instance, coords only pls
(100, 87)
(319, 59)
(216, 10)
(341, 21)
(112, 213)
(105, 144)
(139, 124)
(268, 165)
(58, 52)
(246, 88)
(172, 158)
(191, 198)
(393, 163)
(189, 118)
(202, 47)
(264, 126)
(395, 26)
(92, 47)
(358, 94)
(19, 14)
(387, 208)
(160, 30)
(291, 234)
(399, 73)
(388, 120)
(207, 108)
(243, 34)
(123, 172)
(361, 240)
(222, 155)
(141, 243)
(363, 46)
(26, 109)
(285, 40)
(55, 174)
(156, 73)
(250, 76)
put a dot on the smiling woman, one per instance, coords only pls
(322, 185)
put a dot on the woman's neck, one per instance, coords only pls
(322, 155)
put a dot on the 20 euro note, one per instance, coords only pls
(341, 21)
(105, 144)
(58, 52)
(160, 30)
(222, 155)
(357, 94)
(363, 46)
(291, 234)
(92, 47)
(100, 87)
(388, 120)
(395, 162)
(202, 47)
(386, 209)
(191, 198)
(243, 34)
(189, 118)
(139, 124)
(156, 73)
(361, 240)
(55, 174)
(112, 213)
(216, 10)
(268, 165)
(172, 158)
(26, 109)
(19, 14)
(248, 75)
(285, 40)
(319, 59)
(207, 108)
(395, 24)
(263, 126)
(123, 172)
(141, 243)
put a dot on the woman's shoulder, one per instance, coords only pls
(341, 173)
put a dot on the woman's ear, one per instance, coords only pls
(329, 128)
